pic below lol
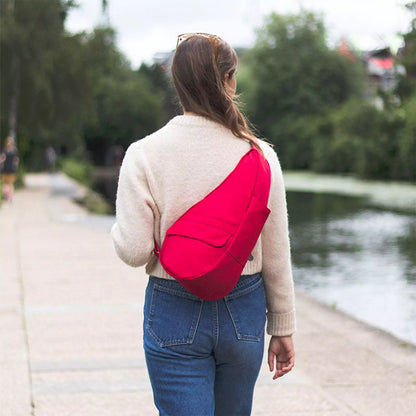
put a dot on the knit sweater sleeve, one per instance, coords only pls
(276, 267)
(132, 233)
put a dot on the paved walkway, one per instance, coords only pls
(70, 329)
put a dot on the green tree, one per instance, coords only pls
(407, 84)
(357, 138)
(162, 85)
(291, 77)
(74, 91)
(126, 108)
(43, 89)
(405, 166)
(409, 58)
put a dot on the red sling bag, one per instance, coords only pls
(207, 248)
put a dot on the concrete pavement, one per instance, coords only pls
(70, 329)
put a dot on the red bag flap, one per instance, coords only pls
(199, 231)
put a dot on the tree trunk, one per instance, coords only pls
(13, 109)
(14, 71)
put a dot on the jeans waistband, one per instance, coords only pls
(243, 283)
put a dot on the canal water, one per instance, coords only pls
(356, 259)
(351, 256)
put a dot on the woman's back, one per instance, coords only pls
(186, 160)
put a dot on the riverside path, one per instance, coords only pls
(70, 329)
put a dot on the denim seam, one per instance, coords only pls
(177, 292)
(246, 280)
(252, 287)
(215, 322)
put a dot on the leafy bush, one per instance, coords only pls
(405, 167)
(293, 138)
(96, 204)
(357, 138)
(76, 169)
(81, 171)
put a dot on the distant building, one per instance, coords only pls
(382, 68)
(381, 65)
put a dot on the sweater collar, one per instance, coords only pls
(196, 121)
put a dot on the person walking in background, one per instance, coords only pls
(9, 162)
(203, 357)
(50, 159)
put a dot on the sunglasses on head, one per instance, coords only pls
(211, 38)
(214, 40)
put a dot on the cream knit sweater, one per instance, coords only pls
(167, 172)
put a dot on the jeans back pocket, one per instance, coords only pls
(173, 315)
(247, 309)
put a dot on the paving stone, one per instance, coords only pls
(96, 404)
(384, 398)
(91, 381)
(283, 399)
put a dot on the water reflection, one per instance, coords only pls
(361, 259)
(406, 244)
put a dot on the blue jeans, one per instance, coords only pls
(203, 357)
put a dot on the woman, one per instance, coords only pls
(9, 162)
(203, 357)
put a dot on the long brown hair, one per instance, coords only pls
(200, 67)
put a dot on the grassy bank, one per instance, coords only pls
(398, 196)
(81, 172)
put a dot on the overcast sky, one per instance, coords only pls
(145, 27)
